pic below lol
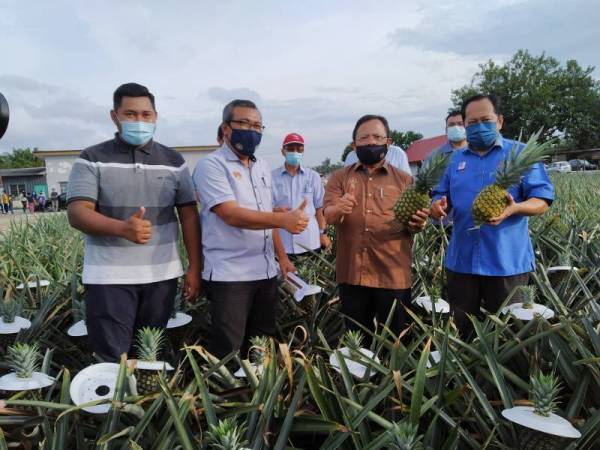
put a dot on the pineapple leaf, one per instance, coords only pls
(23, 359)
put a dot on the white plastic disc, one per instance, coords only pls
(95, 382)
(517, 310)
(38, 380)
(258, 369)
(152, 365)
(441, 306)
(33, 284)
(356, 368)
(77, 330)
(179, 320)
(561, 269)
(19, 324)
(553, 424)
(435, 356)
(301, 288)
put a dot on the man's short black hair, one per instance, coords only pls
(228, 110)
(454, 112)
(131, 90)
(219, 133)
(368, 117)
(495, 101)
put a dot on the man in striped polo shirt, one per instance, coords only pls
(122, 194)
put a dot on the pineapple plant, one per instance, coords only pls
(539, 427)
(259, 350)
(417, 196)
(528, 308)
(149, 344)
(353, 340)
(404, 436)
(24, 361)
(10, 321)
(226, 435)
(492, 200)
(353, 352)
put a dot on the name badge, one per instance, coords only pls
(462, 165)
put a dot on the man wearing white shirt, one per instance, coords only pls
(293, 183)
(395, 156)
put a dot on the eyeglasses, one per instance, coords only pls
(247, 125)
(367, 138)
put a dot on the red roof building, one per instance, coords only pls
(419, 150)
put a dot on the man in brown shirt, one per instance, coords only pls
(373, 264)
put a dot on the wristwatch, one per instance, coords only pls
(322, 231)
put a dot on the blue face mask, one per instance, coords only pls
(137, 133)
(482, 135)
(293, 158)
(245, 141)
(456, 133)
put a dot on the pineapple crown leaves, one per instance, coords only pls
(23, 359)
(528, 295)
(353, 339)
(431, 171)
(259, 349)
(9, 309)
(517, 163)
(226, 435)
(405, 437)
(544, 393)
(149, 343)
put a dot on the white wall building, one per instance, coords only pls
(59, 163)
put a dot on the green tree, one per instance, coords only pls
(538, 92)
(326, 167)
(20, 158)
(403, 139)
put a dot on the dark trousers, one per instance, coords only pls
(114, 312)
(240, 310)
(363, 304)
(467, 293)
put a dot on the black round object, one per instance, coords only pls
(4, 113)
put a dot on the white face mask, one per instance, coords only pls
(456, 133)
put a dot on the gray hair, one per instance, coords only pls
(228, 110)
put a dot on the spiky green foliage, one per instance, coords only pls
(353, 339)
(23, 359)
(544, 393)
(9, 309)
(416, 196)
(226, 435)
(149, 343)
(259, 349)
(528, 296)
(405, 437)
(492, 199)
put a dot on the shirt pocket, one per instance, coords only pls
(383, 198)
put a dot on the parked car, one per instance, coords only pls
(559, 166)
(582, 164)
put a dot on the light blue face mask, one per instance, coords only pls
(293, 158)
(456, 133)
(137, 133)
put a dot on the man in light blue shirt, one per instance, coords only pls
(395, 156)
(240, 233)
(485, 264)
(292, 184)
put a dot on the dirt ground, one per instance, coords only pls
(5, 219)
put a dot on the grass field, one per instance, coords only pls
(405, 400)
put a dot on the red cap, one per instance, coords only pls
(293, 138)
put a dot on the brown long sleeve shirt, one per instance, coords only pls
(370, 250)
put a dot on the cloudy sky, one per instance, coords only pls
(312, 66)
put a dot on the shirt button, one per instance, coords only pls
(370, 195)
(370, 179)
(366, 229)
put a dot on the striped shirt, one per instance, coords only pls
(120, 178)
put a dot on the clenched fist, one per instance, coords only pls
(137, 229)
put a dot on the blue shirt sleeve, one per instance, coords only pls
(537, 184)
(212, 183)
(318, 190)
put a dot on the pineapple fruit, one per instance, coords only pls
(259, 349)
(9, 309)
(544, 394)
(23, 359)
(149, 344)
(405, 437)
(227, 435)
(492, 201)
(417, 196)
(528, 296)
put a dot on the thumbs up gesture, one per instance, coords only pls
(347, 202)
(296, 220)
(137, 229)
(439, 208)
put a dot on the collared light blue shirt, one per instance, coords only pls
(289, 191)
(395, 156)
(501, 250)
(232, 253)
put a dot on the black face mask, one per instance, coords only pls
(371, 154)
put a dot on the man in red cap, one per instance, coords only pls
(292, 184)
